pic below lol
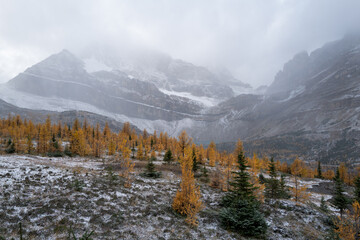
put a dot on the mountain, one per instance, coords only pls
(63, 76)
(167, 74)
(312, 108)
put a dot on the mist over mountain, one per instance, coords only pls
(313, 102)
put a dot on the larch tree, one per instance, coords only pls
(77, 143)
(184, 142)
(298, 190)
(212, 157)
(227, 169)
(187, 199)
(348, 227)
(111, 147)
(343, 172)
(140, 152)
(127, 166)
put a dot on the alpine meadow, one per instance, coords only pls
(206, 119)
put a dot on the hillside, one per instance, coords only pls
(84, 195)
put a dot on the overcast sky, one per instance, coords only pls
(252, 38)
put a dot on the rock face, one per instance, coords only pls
(311, 109)
(313, 105)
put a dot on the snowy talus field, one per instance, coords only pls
(50, 196)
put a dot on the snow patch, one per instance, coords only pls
(294, 93)
(205, 101)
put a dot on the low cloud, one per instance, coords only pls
(252, 39)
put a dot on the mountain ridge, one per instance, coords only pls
(313, 102)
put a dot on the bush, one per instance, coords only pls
(55, 154)
(150, 170)
(10, 148)
(243, 217)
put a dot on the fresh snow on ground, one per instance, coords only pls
(50, 195)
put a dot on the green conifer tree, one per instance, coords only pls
(340, 200)
(195, 163)
(168, 156)
(323, 206)
(150, 170)
(357, 189)
(319, 173)
(241, 209)
(272, 185)
(284, 190)
(241, 188)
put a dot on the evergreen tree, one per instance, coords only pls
(357, 189)
(10, 148)
(243, 217)
(241, 188)
(340, 200)
(284, 190)
(319, 173)
(337, 175)
(150, 170)
(272, 185)
(323, 206)
(204, 175)
(262, 179)
(241, 209)
(195, 163)
(168, 156)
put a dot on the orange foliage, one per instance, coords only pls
(187, 200)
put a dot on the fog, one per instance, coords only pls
(253, 39)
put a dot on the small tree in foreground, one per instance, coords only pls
(187, 200)
(150, 170)
(348, 227)
(241, 209)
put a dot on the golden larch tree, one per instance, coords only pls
(184, 142)
(187, 200)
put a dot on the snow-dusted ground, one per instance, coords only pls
(50, 195)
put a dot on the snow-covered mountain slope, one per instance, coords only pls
(165, 72)
(39, 114)
(64, 76)
(311, 109)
